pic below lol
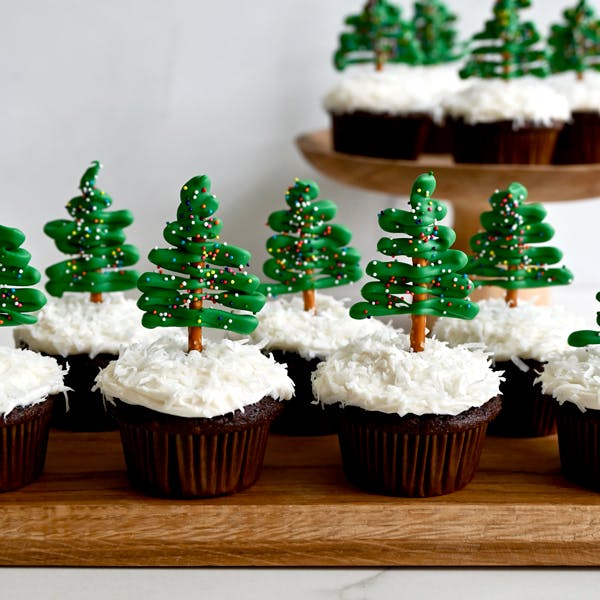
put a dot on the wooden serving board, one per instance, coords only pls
(518, 510)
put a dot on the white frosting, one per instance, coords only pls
(523, 100)
(227, 375)
(74, 325)
(398, 89)
(283, 324)
(582, 95)
(526, 331)
(381, 373)
(574, 376)
(27, 378)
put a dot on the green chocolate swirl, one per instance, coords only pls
(307, 252)
(586, 337)
(96, 239)
(505, 254)
(445, 290)
(15, 273)
(209, 271)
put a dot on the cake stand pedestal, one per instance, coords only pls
(466, 186)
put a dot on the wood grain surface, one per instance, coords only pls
(518, 510)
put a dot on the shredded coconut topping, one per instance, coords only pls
(27, 378)
(526, 331)
(283, 324)
(582, 95)
(574, 376)
(380, 373)
(74, 325)
(226, 376)
(524, 100)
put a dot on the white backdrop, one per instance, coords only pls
(162, 90)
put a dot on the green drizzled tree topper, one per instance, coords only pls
(506, 48)
(95, 236)
(15, 274)
(433, 280)
(307, 252)
(434, 28)
(575, 45)
(504, 255)
(586, 337)
(378, 35)
(209, 272)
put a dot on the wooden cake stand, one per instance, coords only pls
(466, 186)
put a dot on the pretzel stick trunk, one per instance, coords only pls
(419, 322)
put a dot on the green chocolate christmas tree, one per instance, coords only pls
(307, 252)
(586, 337)
(95, 239)
(434, 28)
(430, 284)
(209, 272)
(378, 35)
(504, 254)
(15, 275)
(575, 45)
(506, 48)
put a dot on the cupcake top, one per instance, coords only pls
(523, 100)
(574, 376)
(226, 376)
(582, 95)
(74, 325)
(285, 325)
(397, 90)
(380, 373)
(27, 378)
(526, 331)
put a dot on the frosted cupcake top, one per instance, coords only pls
(226, 376)
(581, 95)
(526, 331)
(74, 325)
(574, 376)
(399, 89)
(283, 324)
(27, 378)
(523, 100)
(380, 373)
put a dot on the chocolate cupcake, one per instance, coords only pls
(412, 423)
(194, 424)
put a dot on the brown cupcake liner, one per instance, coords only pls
(380, 135)
(23, 444)
(440, 139)
(177, 457)
(299, 415)
(579, 141)
(413, 456)
(526, 410)
(579, 444)
(500, 143)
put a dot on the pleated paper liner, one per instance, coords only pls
(300, 416)
(501, 143)
(579, 141)
(579, 444)
(413, 456)
(526, 410)
(179, 457)
(23, 444)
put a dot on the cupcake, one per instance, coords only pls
(28, 380)
(414, 412)
(573, 379)
(506, 115)
(519, 335)
(575, 53)
(378, 113)
(89, 320)
(307, 253)
(194, 416)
